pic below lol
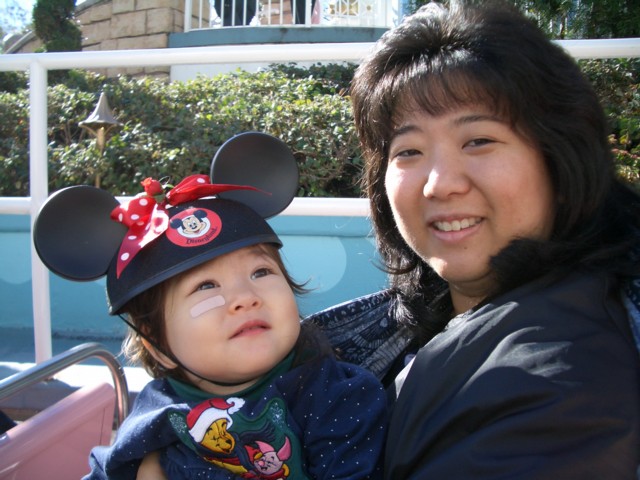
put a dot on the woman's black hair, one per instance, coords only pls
(439, 59)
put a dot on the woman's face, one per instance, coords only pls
(232, 319)
(461, 186)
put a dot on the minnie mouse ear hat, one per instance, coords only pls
(82, 233)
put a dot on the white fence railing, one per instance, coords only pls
(39, 64)
(237, 13)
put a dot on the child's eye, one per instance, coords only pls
(207, 286)
(261, 272)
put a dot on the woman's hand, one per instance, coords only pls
(150, 468)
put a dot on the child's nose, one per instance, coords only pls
(244, 298)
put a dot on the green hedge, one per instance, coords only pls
(173, 129)
(618, 85)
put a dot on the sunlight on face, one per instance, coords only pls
(233, 318)
(462, 186)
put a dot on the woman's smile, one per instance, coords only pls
(456, 225)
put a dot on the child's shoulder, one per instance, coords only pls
(157, 394)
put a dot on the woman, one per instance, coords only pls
(507, 237)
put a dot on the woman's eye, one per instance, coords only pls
(479, 142)
(407, 153)
(261, 272)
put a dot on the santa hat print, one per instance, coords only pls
(201, 417)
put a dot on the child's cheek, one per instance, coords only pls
(206, 305)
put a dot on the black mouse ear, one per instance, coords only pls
(258, 160)
(74, 234)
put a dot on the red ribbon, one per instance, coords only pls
(146, 215)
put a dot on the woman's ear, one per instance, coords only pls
(160, 357)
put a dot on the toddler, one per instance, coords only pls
(241, 388)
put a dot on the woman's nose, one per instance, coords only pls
(446, 176)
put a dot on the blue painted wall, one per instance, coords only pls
(336, 255)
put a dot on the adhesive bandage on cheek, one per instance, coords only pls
(206, 305)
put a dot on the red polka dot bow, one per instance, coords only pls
(146, 215)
